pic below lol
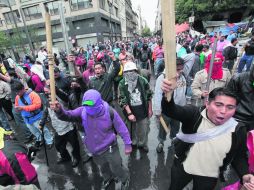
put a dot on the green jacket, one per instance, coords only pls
(144, 87)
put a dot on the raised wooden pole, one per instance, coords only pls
(169, 41)
(50, 56)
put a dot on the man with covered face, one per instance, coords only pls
(135, 98)
(100, 123)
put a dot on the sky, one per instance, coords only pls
(148, 10)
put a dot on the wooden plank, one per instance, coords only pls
(169, 41)
(50, 56)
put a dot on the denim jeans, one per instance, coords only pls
(34, 128)
(3, 120)
(20, 127)
(245, 60)
(174, 128)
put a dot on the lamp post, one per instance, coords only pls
(110, 24)
(27, 32)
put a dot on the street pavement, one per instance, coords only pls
(148, 171)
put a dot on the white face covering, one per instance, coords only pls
(131, 79)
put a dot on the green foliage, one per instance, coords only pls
(146, 32)
(204, 9)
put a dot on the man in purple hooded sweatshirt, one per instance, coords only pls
(100, 126)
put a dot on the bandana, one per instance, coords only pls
(93, 103)
(217, 72)
(131, 78)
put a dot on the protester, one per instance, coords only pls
(220, 77)
(243, 86)
(135, 98)
(65, 132)
(103, 81)
(30, 105)
(15, 166)
(207, 132)
(100, 137)
(180, 99)
(248, 56)
(230, 53)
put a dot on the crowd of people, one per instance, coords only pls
(205, 121)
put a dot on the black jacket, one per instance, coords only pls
(190, 116)
(230, 53)
(242, 85)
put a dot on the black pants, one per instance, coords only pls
(61, 141)
(7, 105)
(179, 179)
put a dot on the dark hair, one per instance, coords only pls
(199, 48)
(179, 61)
(101, 64)
(233, 40)
(206, 46)
(222, 92)
(17, 86)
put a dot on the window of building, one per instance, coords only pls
(12, 2)
(116, 12)
(104, 22)
(102, 4)
(80, 4)
(32, 13)
(53, 7)
(9, 19)
(84, 23)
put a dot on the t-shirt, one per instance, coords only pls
(137, 105)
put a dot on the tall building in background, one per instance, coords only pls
(158, 21)
(86, 20)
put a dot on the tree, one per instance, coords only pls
(204, 10)
(146, 32)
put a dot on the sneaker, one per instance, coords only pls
(159, 148)
(38, 144)
(125, 185)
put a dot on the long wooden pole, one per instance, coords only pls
(211, 65)
(169, 41)
(50, 55)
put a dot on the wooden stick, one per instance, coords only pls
(164, 125)
(211, 65)
(50, 55)
(169, 41)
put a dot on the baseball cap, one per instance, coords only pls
(129, 66)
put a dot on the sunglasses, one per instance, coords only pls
(88, 103)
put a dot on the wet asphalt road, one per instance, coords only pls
(147, 170)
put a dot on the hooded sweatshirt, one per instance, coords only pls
(179, 93)
(97, 123)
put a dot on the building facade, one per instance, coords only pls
(87, 21)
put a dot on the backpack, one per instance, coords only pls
(144, 56)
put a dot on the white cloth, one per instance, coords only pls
(206, 157)
(38, 70)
